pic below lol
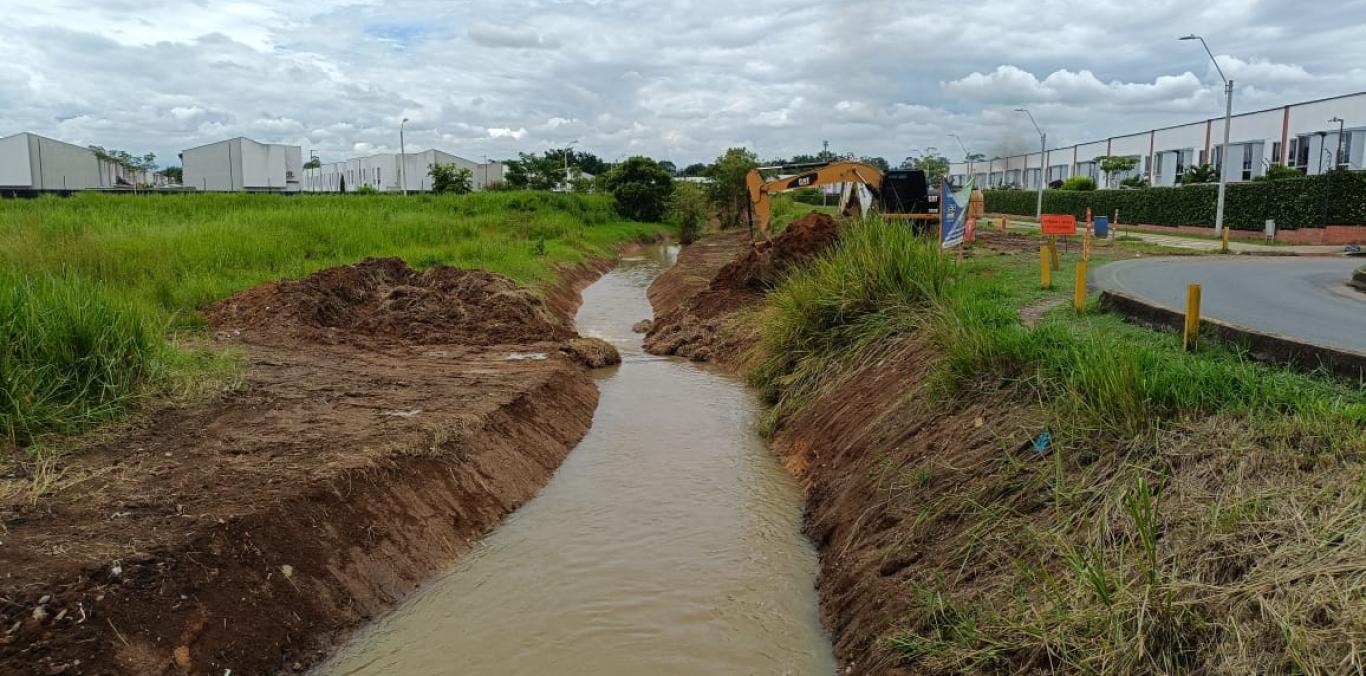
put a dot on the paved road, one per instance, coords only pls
(1200, 244)
(1307, 298)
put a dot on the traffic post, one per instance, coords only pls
(1192, 333)
(1045, 270)
(1079, 293)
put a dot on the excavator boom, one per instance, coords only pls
(760, 192)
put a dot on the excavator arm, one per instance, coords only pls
(760, 209)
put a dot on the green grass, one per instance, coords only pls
(1195, 513)
(1099, 372)
(94, 284)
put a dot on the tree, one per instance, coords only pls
(547, 170)
(1113, 166)
(669, 167)
(449, 178)
(695, 169)
(688, 206)
(1199, 173)
(313, 163)
(641, 188)
(874, 161)
(175, 174)
(125, 159)
(728, 190)
(936, 167)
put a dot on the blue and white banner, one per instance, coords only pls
(953, 214)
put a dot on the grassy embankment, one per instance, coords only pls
(1204, 512)
(98, 291)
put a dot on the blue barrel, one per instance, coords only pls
(1101, 225)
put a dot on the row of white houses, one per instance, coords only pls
(30, 162)
(394, 172)
(33, 163)
(1298, 135)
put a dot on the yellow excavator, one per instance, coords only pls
(897, 194)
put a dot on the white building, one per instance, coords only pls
(392, 172)
(1297, 135)
(33, 162)
(243, 165)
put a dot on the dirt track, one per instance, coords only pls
(252, 532)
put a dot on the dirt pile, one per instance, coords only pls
(692, 324)
(388, 419)
(384, 299)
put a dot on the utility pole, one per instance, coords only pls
(1223, 154)
(567, 150)
(1043, 150)
(402, 158)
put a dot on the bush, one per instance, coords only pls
(641, 187)
(688, 206)
(1292, 202)
(498, 186)
(1277, 172)
(1200, 173)
(1079, 183)
(448, 178)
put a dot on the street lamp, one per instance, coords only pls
(402, 158)
(1223, 153)
(967, 156)
(1337, 157)
(1043, 153)
(568, 149)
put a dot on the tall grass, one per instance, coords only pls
(91, 283)
(1100, 374)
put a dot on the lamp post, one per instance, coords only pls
(967, 156)
(1043, 152)
(1223, 153)
(402, 157)
(567, 150)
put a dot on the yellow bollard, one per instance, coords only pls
(1192, 336)
(1086, 243)
(1224, 248)
(1053, 253)
(1003, 224)
(1045, 271)
(1079, 295)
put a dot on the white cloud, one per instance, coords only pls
(672, 80)
(503, 132)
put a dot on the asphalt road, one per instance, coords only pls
(1305, 298)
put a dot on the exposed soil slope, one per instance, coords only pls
(390, 418)
(720, 275)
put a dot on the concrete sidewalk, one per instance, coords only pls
(1198, 244)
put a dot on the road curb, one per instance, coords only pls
(1358, 280)
(1261, 345)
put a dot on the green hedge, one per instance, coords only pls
(1293, 202)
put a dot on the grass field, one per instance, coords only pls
(1197, 513)
(94, 285)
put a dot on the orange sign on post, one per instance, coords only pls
(1059, 224)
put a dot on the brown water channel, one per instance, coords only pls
(668, 542)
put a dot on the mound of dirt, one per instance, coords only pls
(763, 265)
(383, 298)
(692, 327)
(592, 352)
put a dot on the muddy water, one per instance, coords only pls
(667, 543)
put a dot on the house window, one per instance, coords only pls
(1276, 152)
(1247, 163)
(378, 175)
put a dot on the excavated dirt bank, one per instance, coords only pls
(389, 419)
(721, 275)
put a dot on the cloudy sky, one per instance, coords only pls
(673, 80)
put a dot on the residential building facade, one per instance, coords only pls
(1297, 135)
(243, 165)
(392, 172)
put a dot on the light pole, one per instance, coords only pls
(967, 156)
(402, 158)
(1223, 153)
(567, 150)
(1043, 152)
